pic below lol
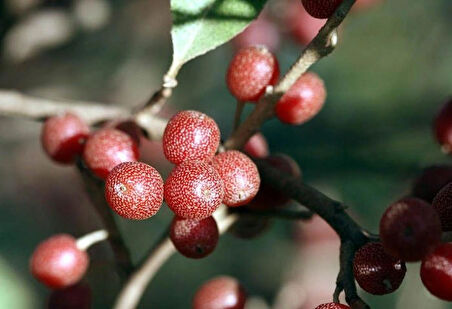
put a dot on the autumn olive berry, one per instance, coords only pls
(332, 306)
(321, 8)
(256, 146)
(436, 274)
(442, 203)
(431, 181)
(220, 293)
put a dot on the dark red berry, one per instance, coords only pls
(436, 272)
(220, 293)
(74, 297)
(194, 238)
(442, 203)
(431, 181)
(377, 272)
(332, 306)
(240, 177)
(247, 227)
(442, 127)
(134, 190)
(302, 26)
(303, 100)
(129, 127)
(410, 229)
(321, 8)
(107, 148)
(256, 146)
(58, 263)
(190, 135)
(194, 190)
(251, 70)
(262, 31)
(62, 137)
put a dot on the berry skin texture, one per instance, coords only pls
(193, 190)
(410, 229)
(442, 203)
(134, 190)
(251, 70)
(377, 272)
(332, 306)
(194, 238)
(321, 8)
(62, 137)
(107, 148)
(257, 146)
(302, 101)
(220, 293)
(58, 263)
(190, 135)
(442, 127)
(240, 177)
(436, 274)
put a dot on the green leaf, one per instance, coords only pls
(202, 25)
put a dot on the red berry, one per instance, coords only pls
(442, 127)
(436, 274)
(129, 127)
(321, 8)
(431, 181)
(107, 148)
(134, 190)
(410, 229)
(240, 177)
(190, 135)
(442, 203)
(251, 70)
(74, 297)
(302, 26)
(58, 263)
(220, 293)
(194, 238)
(62, 137)
(194, 190)
(262, 31)
(377, 272)
(303, 100)
(256, 146)
(332, 306)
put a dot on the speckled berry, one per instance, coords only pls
(321, 8)
(194, 238)
(134, 190)
(436, 274)
(62, 137)
(190, 135)
(410, 229)
(302, 101)
(220, 293)
(107, 148)
(240, 177)
(431, 181)
(332, 306)
(442, 203)
(251, 70)
(256, 146)
(58, 263)
(442, 127)
(377, 272)
(194, 190)
(74, 297)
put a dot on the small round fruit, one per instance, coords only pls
(431, 181)
(194, 190)
(436, 274)
(62, 137)
(194, 238)
(58, 263)
(190, 135)
(134, 190)
(377, 272)
(257, 146)
(220, 293)
(251, 70)
(302, 26)
(240, 177)
(410, 229)
(442, 203)
(332, 306)
(321, 8)
(261, 31)
(302, 101)
(74, 297)
(442, 127)
(107, 148)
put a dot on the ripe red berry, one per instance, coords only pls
(220, 293)
(262, 31)
(190, 135)
(194, 190)
(431, 181)
(74, 297)
(194, 238)
(377, 272)
(251, 70)
(129, 127)
(332, 306)
(410, 229)
(436, 274)
(442, 127)
(256, 146)
(134, 190)
(303, 100)
(442, 203)
(321, 8)
(302, 26)
(58, 263)
(240, 177)
(62, 137)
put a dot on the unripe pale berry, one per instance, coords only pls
(442, 203)
(107, 148)
(302, 26)
(62, 137)
(134, 190)
(190, 135)
(74, 297)
(194, 238)
(240, 177)
(321, 8)
(431, 181)
(410, 229)
(377, 272)
(332, 306)
(251, 70)
(256, 146)
(58, 263)
(436, 274)
(194, 190)
(303, 100)
(261, 31)
(442, 127)
(220, 293)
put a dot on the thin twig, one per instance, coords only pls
(86, 241)
(238, 114)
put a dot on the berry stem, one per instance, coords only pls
(238, 114)
(86, 241)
